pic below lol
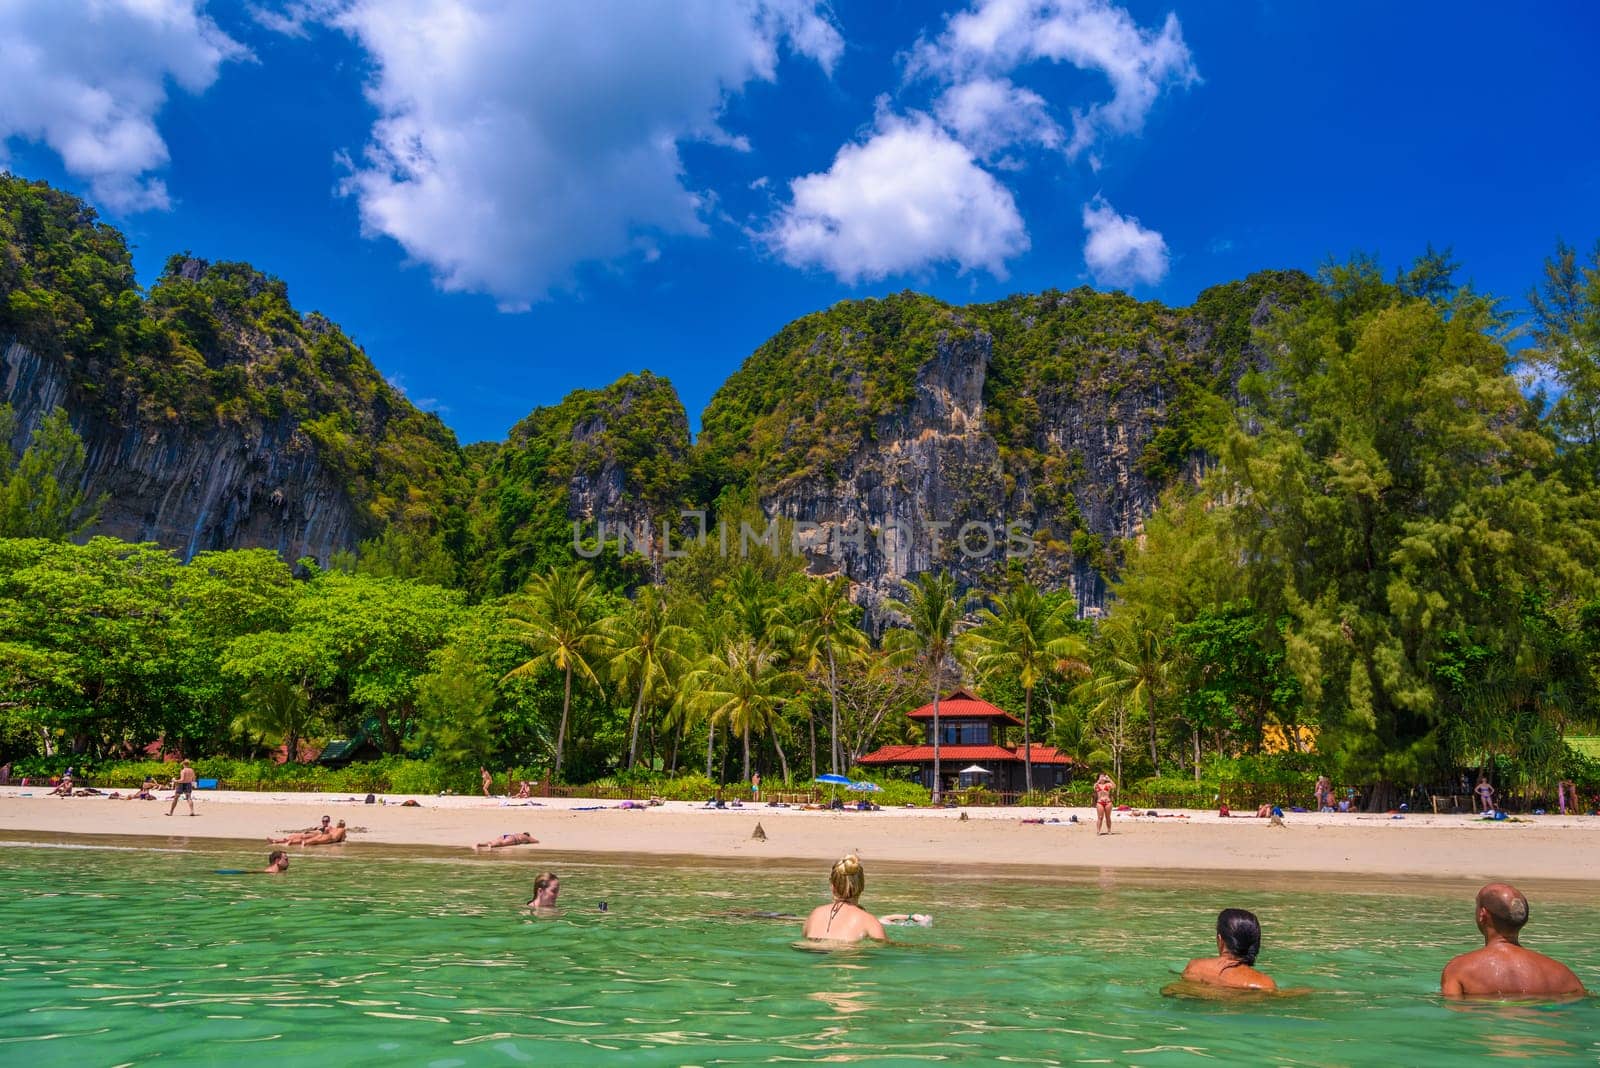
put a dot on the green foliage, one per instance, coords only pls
(41, 491)
(454, 706)
(214, 343)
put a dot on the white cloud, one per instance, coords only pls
(990, 115)
(515, 141)
(907, 197)
(88, 80)
(996, 37)
(1118, 250)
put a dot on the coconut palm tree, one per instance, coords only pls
(1133, 671)
(558, 617)
(645, 646)
(828, 634)
(927, 638)
(1022, 636)
(744, 685)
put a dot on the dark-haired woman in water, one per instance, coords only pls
(1238, 942)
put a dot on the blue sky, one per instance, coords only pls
(503, 202)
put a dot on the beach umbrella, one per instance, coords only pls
(866, 787)
(833, 780)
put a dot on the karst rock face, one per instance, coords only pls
(888, 436)
(1036, 434)
(254, 483)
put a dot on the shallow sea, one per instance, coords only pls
(146, 955)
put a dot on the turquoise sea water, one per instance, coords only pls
(141, 956)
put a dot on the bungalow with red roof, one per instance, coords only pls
(974, 732)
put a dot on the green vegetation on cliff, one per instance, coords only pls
(209, 344)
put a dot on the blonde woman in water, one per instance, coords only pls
(844, 920)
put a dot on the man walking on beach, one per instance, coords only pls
(1104, 788)
(1503, 968)
(183, 788)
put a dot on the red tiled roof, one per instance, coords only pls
(960, 704)
(922, 754)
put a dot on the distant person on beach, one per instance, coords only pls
(755, 786)
(277, 863)
(546, 888)
(1324, 794)
(508, 839)
(183, 789)
(325, 827)
(333, 837)
(844, 920)
(526, 790)
(1485, 795)
(488, 780)
(5, 774)
(1104, 789)
(1566, 794)
(1238, 942)
(1503, 968)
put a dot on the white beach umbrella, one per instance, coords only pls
(975, 770)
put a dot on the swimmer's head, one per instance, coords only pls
(1503, 907)
(1240, 934)
(279, 858)
(848, 879)
(545, 889)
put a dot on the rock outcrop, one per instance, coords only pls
(233, 485)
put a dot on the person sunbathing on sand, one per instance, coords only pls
(1238, 942)
(333, 837)
(519, 838)
(1503, 968)
(844, 920)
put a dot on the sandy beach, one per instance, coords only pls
(1543, 847)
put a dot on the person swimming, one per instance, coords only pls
(844, 920)
(546, 888)
(1503, 967)
(277, 863)
(1238, 943)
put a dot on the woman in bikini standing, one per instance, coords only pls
(1103, 789)
(844, 920)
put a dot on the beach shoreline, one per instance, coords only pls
(1422, 845)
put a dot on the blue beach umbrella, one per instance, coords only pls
(833, 780)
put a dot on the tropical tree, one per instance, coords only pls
(744, 685)
(41, 491)
(278, 708)
(455, 705)
(1026, 638)
(927, 638)
(647, 651)
(559, 618)
(828, 632)
(1131, 672)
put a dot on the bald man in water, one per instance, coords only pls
(1503, 968)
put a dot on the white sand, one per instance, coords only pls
(1544, 847)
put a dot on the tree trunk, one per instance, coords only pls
(672, 762)
(561, 731)
(1155, 761)
(633, 729)
(811, 728)
(783, 761)
(711, 737)
(833, 696)
(1027, 737)
(291, 746)
(1197, 754)
(747, 752)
